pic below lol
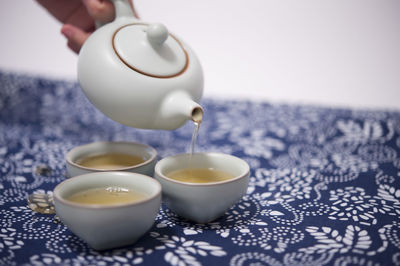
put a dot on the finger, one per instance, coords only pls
(69, 12)
(75, 36)
(100, 10)
(80, 18)
(74, 47)
(61, 9)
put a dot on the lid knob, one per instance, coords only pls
(157, 34)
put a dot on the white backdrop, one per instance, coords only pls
(332, 52)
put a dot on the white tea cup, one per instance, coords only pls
(108, 226)
(202, 202)
(146, 152)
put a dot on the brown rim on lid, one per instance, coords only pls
(144, 72)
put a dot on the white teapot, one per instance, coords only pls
(139, 74)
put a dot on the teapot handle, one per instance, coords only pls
(123, 8)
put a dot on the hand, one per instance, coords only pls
(79, 16)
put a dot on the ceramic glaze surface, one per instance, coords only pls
(137, 49)
(203, 202)
(146, 152)
(104, 227)
(138, 74)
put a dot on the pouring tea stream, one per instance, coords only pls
(139, 74)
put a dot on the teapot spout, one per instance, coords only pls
(176, 109)
(197, 114)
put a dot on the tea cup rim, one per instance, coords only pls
(208, 184)
(100, 206)
(71, 162)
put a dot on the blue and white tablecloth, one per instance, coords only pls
(324, 185)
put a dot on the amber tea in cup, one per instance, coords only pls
(199, 175)
(110, 195)
(111, 156)
(110, 161)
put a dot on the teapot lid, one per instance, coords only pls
(150, 50)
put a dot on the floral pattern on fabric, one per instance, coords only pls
(324, 186)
